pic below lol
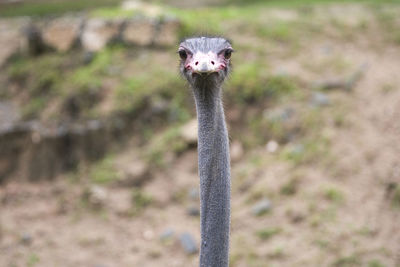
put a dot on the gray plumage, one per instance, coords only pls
(213, 145)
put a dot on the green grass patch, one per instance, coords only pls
(251, 82)
(206, 20)
(347, 261)
(396, 197)
(112, 12)
(140, 200)
(306, 152)
(375, 263)
(169, 141)
(89, 76)
(281, 31)
(41, 75)
(103, 172)
(143, 87)
(300, 3)
(232, 8)
(33, 107)
(389, 23)
(32, 260)
(131, 94)
(333, 194)
(290, 188)
(268, 233)
(48, 7)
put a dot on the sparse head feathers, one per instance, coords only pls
(206, 44)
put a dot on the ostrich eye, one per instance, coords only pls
(182, 54)
(228, 53)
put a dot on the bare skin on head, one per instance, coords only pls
(205, 63)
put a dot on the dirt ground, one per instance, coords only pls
(354, 224)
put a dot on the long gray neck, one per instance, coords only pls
(214, 171)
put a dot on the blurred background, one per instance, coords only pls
(98, 159)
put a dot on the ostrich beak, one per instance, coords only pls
(204, 63)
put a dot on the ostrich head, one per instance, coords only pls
(205, 62)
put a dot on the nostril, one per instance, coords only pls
(212, 62)
(197, 63)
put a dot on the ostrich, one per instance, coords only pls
(205, 62)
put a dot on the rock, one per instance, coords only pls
(138, 31)
(147, 9)
(188, 243)
(8, 113)
(158, 106)
(96, 196)
(319, 99)
(26, 239)
(279, 114)
(295, 151)
(327, 49)
(167, 33)
(189, 132)
(33, 151)
(12, 39)
(62, 33)
(261, 207)
(132, 171)
(236, 151)
(34, 40)
(148, 234)
(194, 194)
(98, 33)
(193, 211)
(88, 57)
(272, 146)
(346, 83)
(167, 235)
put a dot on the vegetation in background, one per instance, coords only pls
(47, 7)
(103, 171)
(252, 83)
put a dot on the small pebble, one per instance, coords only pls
(319, 99)
(148, 234)
(188, 243)
(88, 57)
(26, 239)
(261, 207)
(296, 150)
(193, 211)
(167, 234)
(194, 194)
(272, 146)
